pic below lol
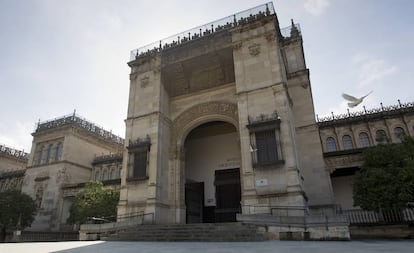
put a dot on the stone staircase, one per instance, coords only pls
(201, 232)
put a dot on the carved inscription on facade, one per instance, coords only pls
(334, 163)
(212, 108)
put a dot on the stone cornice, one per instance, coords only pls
(344, 152)
(298, 73)
(283, 84)
(60, 162)
(104, 159)
(12, 174)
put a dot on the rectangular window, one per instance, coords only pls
(140, 164)
(266, 147)
(138, 152)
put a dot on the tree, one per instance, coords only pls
(386, 180)
(94, 201)
(17, 211)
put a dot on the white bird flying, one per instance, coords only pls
(353, 101)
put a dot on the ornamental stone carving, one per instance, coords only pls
(254, 49)
(270, 36)
(62, 176)
(144, 81)
(343, 161)
(211, 108)
(237, 46)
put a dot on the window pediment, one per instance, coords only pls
(264, 122)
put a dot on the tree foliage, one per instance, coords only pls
(17, 210)
(94, 201)
(386, 180)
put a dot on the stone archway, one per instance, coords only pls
(202, 113)
(181, 127)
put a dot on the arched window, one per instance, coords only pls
(113, 173)
(381, 137)
(330, 144)
(399, 134)
(347, 142)
(105, 175)
(364, 140)
(97, 175)
(49, 153)
(58, 153)
(40, 156)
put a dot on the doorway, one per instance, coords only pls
(212, 159)
(228, 195)
(194, 201)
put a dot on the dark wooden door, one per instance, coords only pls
(228, 194)
(194, 201)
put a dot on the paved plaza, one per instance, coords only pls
(211, 247)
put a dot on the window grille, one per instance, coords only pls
(265, 140)
(138, 158)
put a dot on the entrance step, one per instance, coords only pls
(202, 232)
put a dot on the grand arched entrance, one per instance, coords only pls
(212, 173)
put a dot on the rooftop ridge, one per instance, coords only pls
(77, 120)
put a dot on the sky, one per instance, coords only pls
(57, 56)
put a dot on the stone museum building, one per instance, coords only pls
(220, 125)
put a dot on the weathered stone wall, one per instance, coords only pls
(317, 183)
(261, 86)
(44, 181)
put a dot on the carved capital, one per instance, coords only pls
(173, 151)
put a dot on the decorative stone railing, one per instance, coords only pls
(366, 113)
(20, 154)
(231, 21)
(74, 119)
